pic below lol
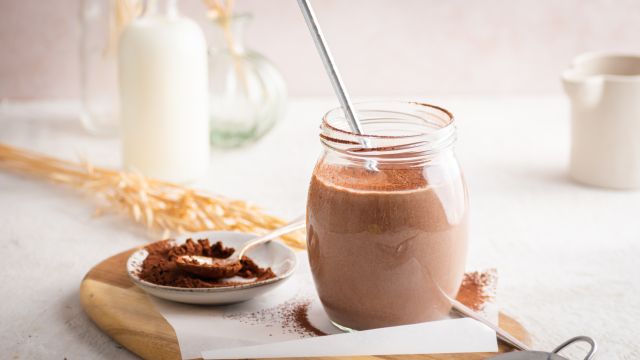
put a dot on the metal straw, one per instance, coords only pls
(330, 66)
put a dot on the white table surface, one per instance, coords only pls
(568, 255)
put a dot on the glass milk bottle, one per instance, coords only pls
(162, 72)
(101, 22)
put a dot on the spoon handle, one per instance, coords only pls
(296, 224)
(500, 333)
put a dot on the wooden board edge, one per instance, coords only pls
(96, 288)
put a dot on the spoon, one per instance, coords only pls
(500, 333)
(525, 352)
(216, 268)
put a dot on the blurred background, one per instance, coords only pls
(383, 47)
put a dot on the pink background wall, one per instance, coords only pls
(384, 47)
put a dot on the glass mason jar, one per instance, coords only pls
(387, 223)
(247, 93)
(101, 22)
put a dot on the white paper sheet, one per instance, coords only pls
(447, 336)
(262, 328)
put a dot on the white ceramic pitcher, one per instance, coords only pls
(604, 90)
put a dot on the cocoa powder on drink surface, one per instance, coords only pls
(160, 265)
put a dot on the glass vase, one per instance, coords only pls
(101, 22)
(247, 93)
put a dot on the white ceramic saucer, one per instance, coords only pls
(274, 254)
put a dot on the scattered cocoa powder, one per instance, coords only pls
(478, 288)
(300, 315)
(291, 317)
(160, 265)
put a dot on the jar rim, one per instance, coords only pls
(444, 130)
(394, 130)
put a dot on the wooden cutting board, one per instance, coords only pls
(126, 314)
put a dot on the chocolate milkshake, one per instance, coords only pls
(386, 242)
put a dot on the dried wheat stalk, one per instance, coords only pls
(163, 207)
(122, 12)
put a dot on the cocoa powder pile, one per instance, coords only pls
(478, 288)
(160, 265)
(297, 317)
